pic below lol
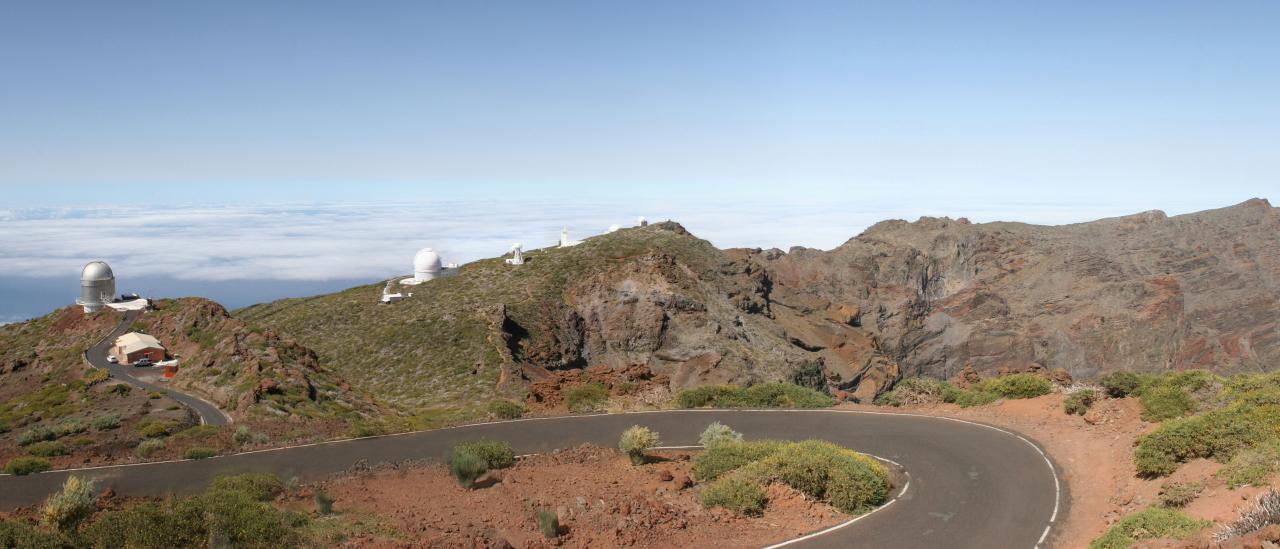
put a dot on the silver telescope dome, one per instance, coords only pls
(97, 286)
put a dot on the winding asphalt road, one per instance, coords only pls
(97, 356)
(971, 485)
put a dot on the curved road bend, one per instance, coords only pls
(97, 356)
(972, 486)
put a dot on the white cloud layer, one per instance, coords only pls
(377, 240)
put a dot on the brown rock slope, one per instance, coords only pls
(1142, 292)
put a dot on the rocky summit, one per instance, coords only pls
(935, 297)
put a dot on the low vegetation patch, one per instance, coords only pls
(588, 397)
(149, 447)
(1179, 494)
(922, 390)
(48, 448)
(1156, 522)
(469, 460)
(637, 440)
(548, 523)
(1120, 384)
(26, 465)
(849, 481)
(106, 422)
(199, 452)
(766, 395)
(1235, 415)
(1252, 466)
(1079, 402)
(718, 433)
(506, 409)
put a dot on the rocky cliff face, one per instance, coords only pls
(1142, 292)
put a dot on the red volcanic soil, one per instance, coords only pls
(601, 499)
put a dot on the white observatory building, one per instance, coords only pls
(428, 266)
(97, 286)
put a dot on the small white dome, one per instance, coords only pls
(426, 261)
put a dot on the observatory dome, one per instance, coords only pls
(426, 264)
(97, 286)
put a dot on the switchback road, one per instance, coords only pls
(972, 486)
(97, 356)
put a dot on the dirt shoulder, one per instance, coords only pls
(601, 499)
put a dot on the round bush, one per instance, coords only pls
(588, 397)
(718, 433)
(636, 441)
(467, 467)
(1079, 402)
(48, 448)
(735, 493)
(26, 465)
(1120, 384)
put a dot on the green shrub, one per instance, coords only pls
(70, 427)
(154, 429)
(259, 486)
(36, 434)
(1162, 403)
(734, 492)
(467, 467)
(496, 454)
(506, 409)
(26, 465)
(199, 452)
(1179, 494)
(48, 448)
(15, 533)
(68, 507)
(149, 447)
(850, 481)
(106, 422)
(1120, 384)
(721, 458)
(1254, 466)
(1079, 402)
(1156, 522)
(968, 398)
(154, 395)
(548, 523)
(637, 440)
(1016, 386)
(810, 376)
(766, 395)
(198, 432)
(242, 435)
(364, 429)
(588, 397)
(717, 433)
(121, 389)
(324, 502)
(4, 427)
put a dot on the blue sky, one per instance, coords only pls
(1139, 102)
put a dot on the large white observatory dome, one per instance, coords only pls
(97, 286)
(426, 265)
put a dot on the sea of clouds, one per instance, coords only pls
(352, 242)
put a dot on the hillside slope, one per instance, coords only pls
(1142, 292)
(268, 384)
(654, 297)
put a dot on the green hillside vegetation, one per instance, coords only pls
(442, 351)
(1233, 420)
